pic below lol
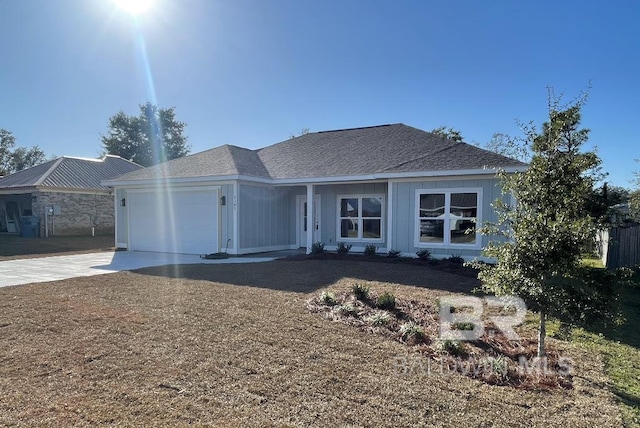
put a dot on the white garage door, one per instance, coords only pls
(177, 221)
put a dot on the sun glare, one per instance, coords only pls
(134, 7)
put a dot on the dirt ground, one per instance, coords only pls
(15, 247)
(235, 346)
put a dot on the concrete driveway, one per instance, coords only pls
(28, 271)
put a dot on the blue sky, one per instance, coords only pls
(252, 72)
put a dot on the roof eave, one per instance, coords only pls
(398, 175)
(311, 180)
(58, 189)
(17, 190)
(166, 181)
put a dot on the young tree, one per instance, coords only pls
(512, 147)
(152, 137)
(451, 133)
(634, 197)
(303, 131)
(546, 229)
(634, 205)
(13, 160)
(601, 199)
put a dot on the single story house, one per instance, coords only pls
(391, 186)
(64, 196)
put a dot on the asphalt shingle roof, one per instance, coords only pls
(349, 152)
(220, 161)
(70, 173)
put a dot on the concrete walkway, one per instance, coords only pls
(27, 271)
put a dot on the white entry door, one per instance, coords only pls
(304, 221)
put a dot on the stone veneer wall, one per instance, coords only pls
(78, 212)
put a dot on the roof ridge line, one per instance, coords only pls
(104, 159)
(83, 158)
(253, 152)
(424, 156)
(227, 147)
(49, 171)
(357, 127)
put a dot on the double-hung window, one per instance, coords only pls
(447, 217)
(360, 217)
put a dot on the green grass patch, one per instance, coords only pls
(619, 346)
(622, 366)
(592, 262)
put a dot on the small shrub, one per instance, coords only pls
(462, 325)
(370, 250)
(348, 310)
(498, 366)
(424, 254)
(343, 248)
(328, 298)
(412, 332)
(393, 253)
(360, 291)
(456, 259)
(564, 332)
(379, 319)
(628, 277)
(452, 347)
(317, 248)
(386, 301)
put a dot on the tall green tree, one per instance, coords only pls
(545, 231)
(450, 133)
(151, 137)
(14, 159)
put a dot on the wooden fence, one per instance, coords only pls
(620, 246)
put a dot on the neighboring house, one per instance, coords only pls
(65, 196)
(392, 186)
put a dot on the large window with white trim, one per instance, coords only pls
(360, 217)
(447, 217)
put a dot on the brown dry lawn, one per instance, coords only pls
(15, 247)
(234, 346)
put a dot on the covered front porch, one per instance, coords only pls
(273, 218)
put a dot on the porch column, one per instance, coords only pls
(389, 216)
(311, 221)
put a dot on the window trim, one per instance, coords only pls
(360, 218)
(447, 201)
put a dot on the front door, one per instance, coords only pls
(304, 221)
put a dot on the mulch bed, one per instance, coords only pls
(443, 265)
(492, 358)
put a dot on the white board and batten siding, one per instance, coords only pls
(121, 219)
(266, 220)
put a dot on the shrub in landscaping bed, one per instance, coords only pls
(386, 301)
(493, 358)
